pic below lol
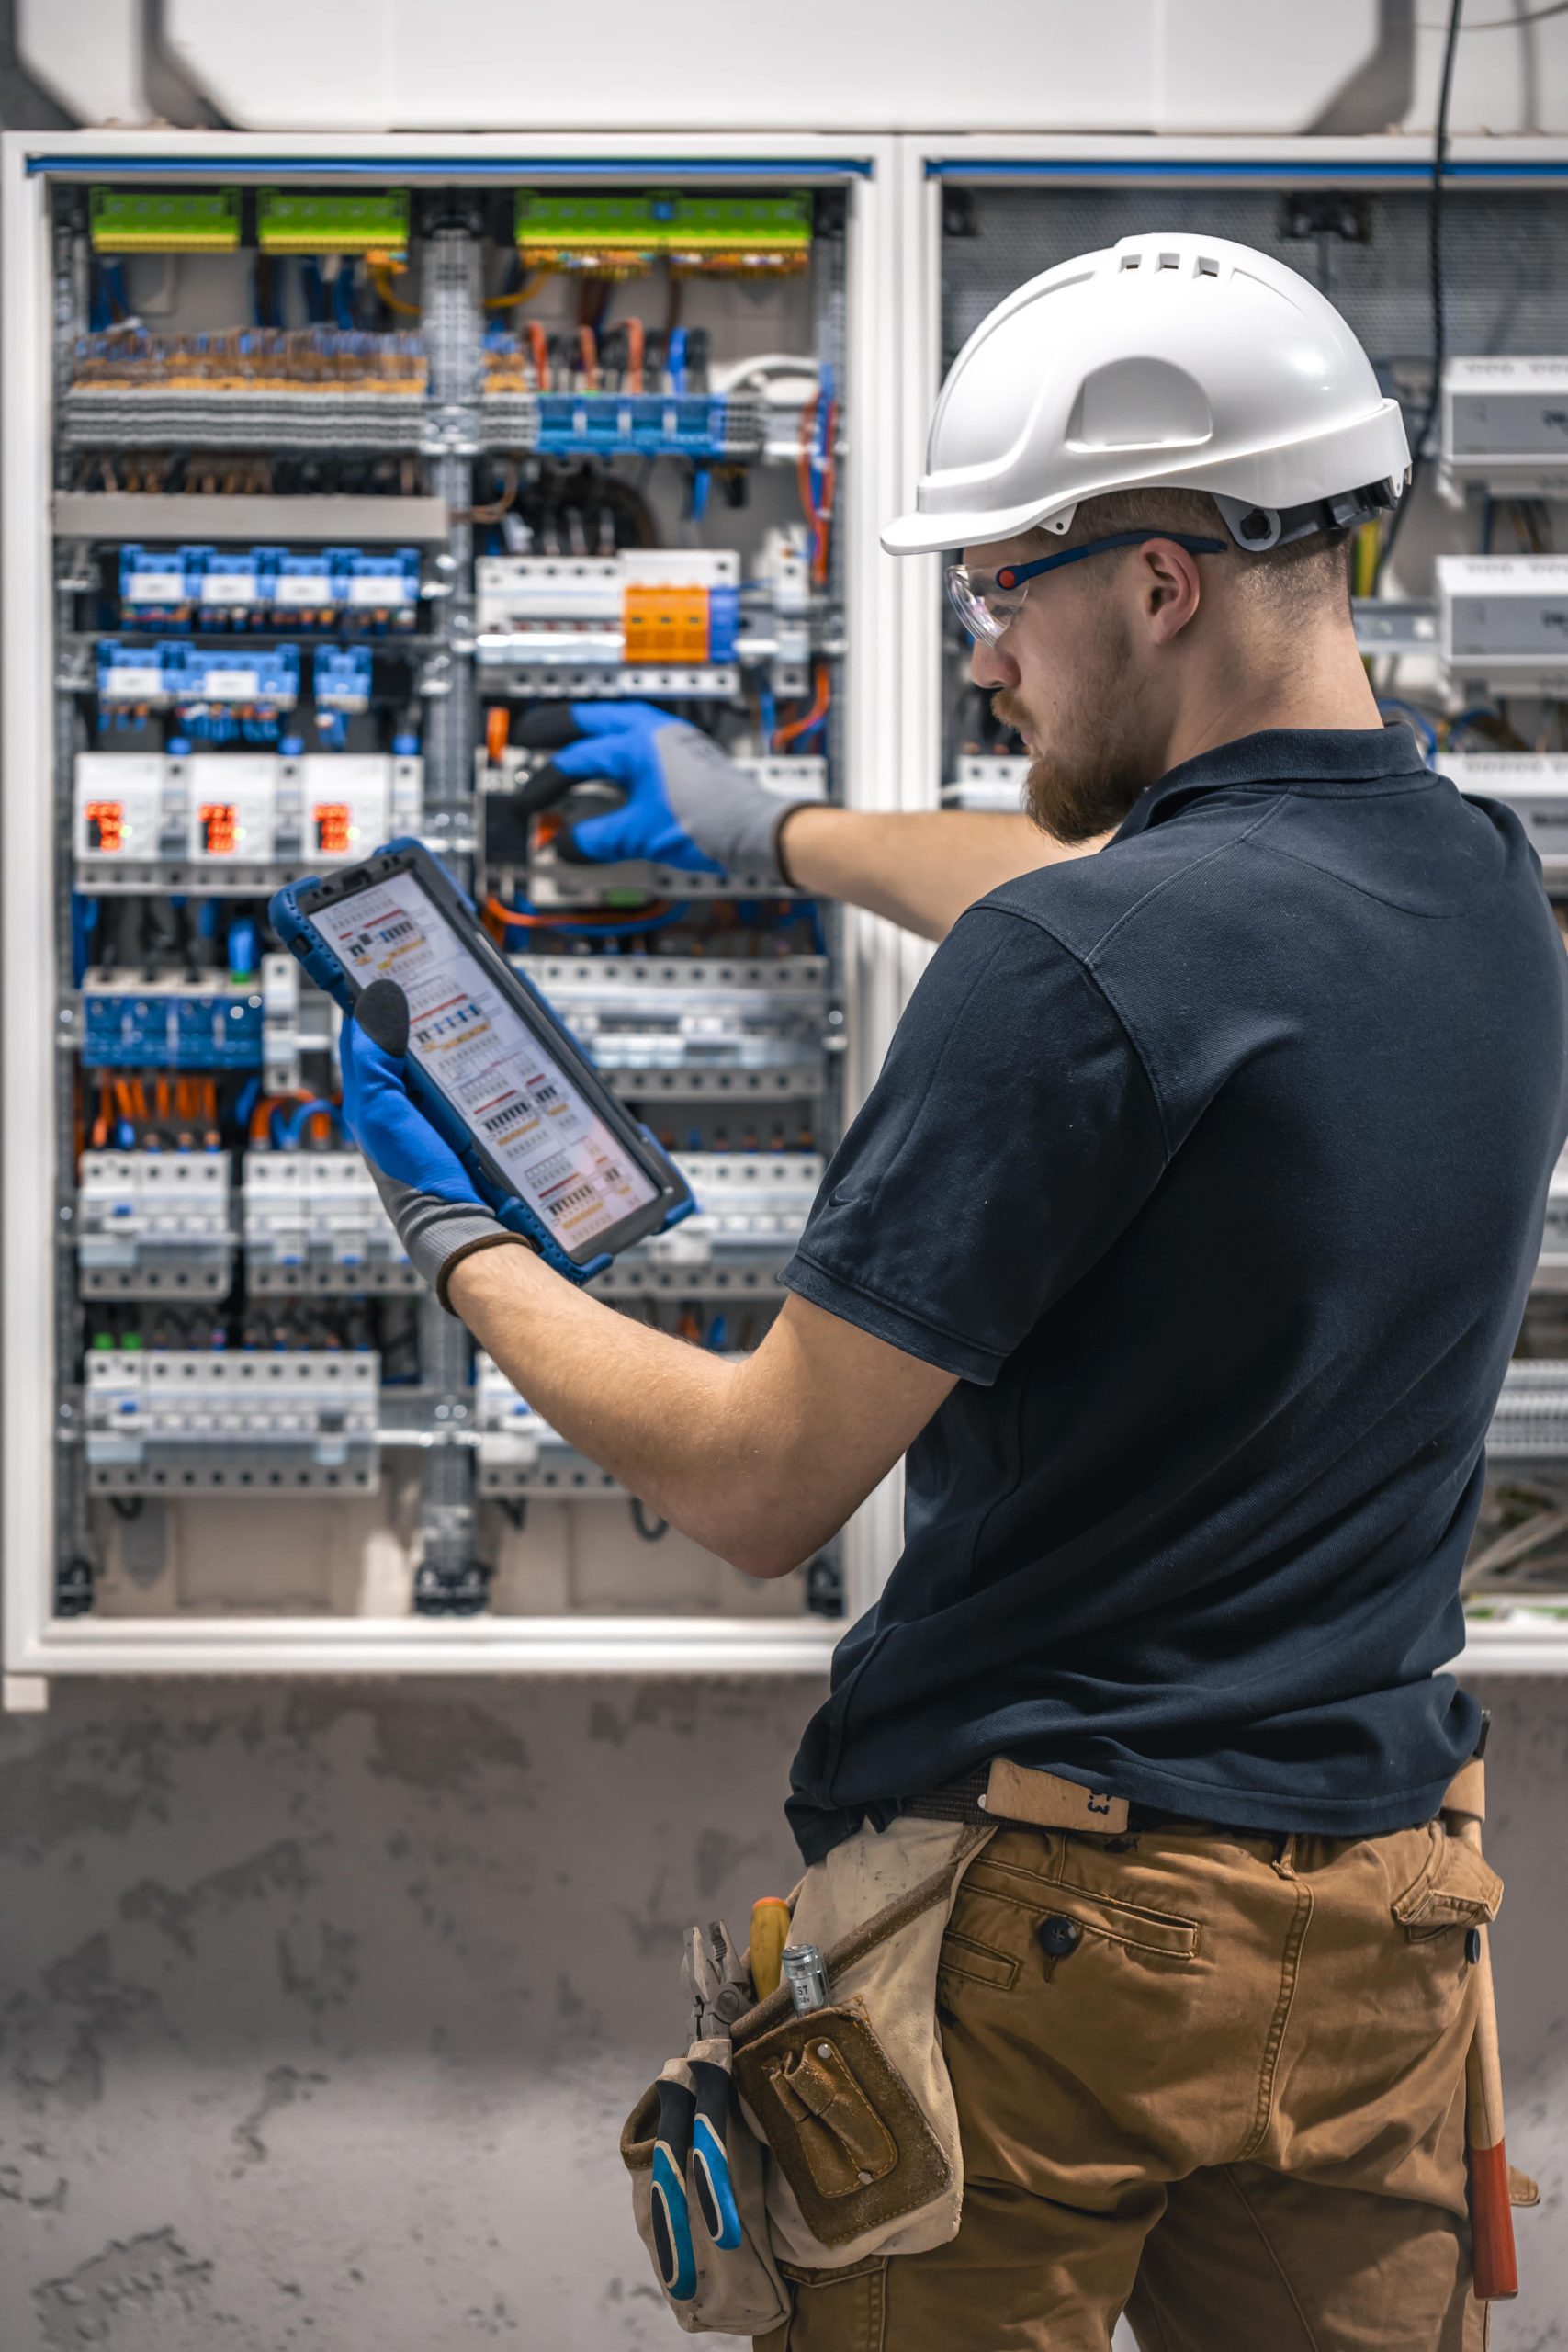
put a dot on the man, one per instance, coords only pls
(1180, 1248)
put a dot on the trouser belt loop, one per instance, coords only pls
(1285, 1854)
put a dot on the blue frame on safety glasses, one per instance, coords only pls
(987, 603)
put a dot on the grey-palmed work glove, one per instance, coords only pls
(425, 1190)
(686, 803)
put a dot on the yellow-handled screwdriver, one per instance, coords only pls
(770, 1933)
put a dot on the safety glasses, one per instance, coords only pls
(987, 603)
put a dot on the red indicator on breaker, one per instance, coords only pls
(219, 830)
(334, 834)
(105, 825)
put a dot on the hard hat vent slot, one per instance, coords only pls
(1206, 266)
(1168, 261)
(1131, 261)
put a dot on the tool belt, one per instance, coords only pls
(825, 2138)
(851, 2103)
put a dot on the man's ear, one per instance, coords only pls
(1170, 587)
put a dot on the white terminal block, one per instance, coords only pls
(1552, 1271)
(658, 1020)
(1530, 1423)
(994, 787)
(213, 818)
(519, 1453)
(313, 1221)
(1504, 619)
(232, 799)
(1534, 785)
(129, 813)
(1503, 426)
(751, 1210)
(577, 592)
(155, 1224)
(292, 1422)
(350, 802)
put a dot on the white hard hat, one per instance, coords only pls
(1171, 360)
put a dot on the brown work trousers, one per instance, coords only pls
(1214, 2081)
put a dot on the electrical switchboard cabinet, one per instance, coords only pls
(326, 464)
(1463, 624)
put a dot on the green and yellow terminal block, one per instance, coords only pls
(625, 236)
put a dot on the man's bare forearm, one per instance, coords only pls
(760, 1458)
(919, 869)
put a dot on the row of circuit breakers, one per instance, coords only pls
(166, 1227)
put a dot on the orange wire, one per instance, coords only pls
(634, 355)
(589, 917)
(819, 710)
(260, 1116)
(588, 358)
(539, 352)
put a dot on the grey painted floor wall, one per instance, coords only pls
(320, 2008)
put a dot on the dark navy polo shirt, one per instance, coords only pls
(1215, 1167)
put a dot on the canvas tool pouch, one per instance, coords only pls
(736, 2291)
(853, 2100)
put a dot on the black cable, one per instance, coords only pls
(1440, 319)
(652, 1530)
(1509, 24)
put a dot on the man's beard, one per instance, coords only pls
(1085, 784)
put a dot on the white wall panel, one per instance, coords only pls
(878, 65)
(88, 55)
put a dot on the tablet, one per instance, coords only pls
(558, 1156)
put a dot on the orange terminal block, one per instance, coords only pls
(665, 624)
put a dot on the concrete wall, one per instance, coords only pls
(320, 2008)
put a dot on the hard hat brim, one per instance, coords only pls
(920, 534)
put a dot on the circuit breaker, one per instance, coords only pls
(346, 480)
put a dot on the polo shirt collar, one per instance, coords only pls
(1281, 756)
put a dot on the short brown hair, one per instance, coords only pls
(1294, 576)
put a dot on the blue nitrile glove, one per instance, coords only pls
(423, 1185)
(686, 802)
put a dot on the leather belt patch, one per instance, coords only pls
(1013, 1792)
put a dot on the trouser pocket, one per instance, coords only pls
(834, 2311)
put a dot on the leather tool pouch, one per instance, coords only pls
(840, 2123)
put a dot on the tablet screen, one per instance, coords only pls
(553, 1148)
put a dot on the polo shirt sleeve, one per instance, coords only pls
(1011, 1136)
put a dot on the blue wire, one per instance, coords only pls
(769, 718)
(84, 922)
(294, 1131)
(249, 1096)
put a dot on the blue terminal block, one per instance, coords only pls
(308, 590)
(723, 623)
(644, 425)
(134, 679)
(224, 691)
(233, 590)
(340, 679)
(380, 589)
(169, 1025)
(159, 586)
